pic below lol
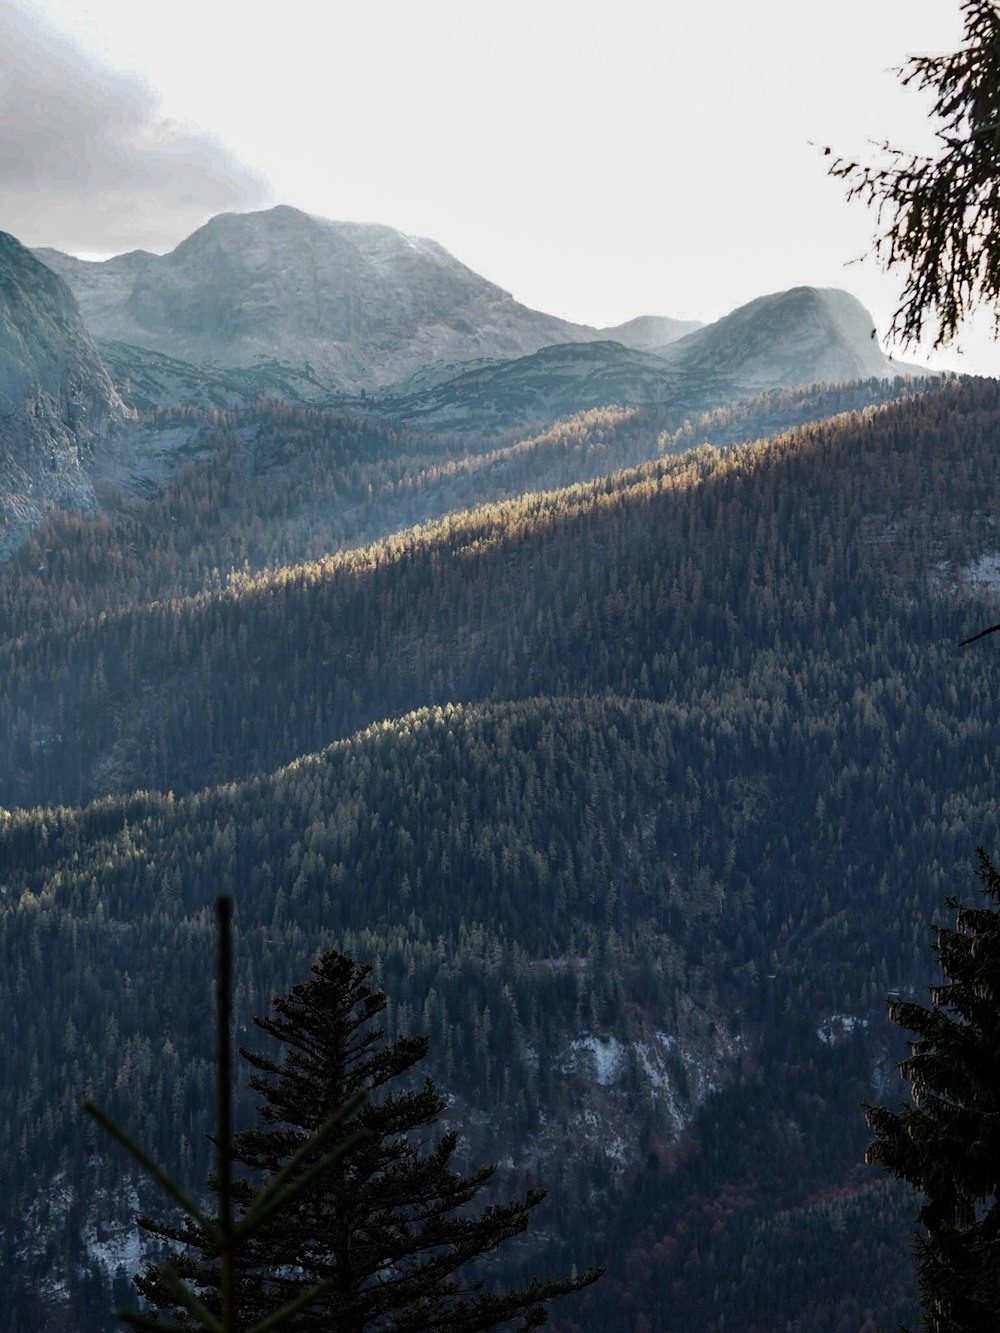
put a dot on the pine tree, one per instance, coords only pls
(943, 211)
(391, 1230)
(229, 1242)
(947, 1143)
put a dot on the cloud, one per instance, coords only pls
(87, 161)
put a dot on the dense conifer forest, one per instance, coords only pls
(638, 781)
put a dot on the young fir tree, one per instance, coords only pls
(220, 1235)
(390, 1230)
(947, 1144)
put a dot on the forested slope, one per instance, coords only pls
(707, 558)
(631, 790)
(279, 484)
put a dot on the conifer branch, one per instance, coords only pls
(281, 1316)
(145, 1321)
(183, 1295)
(224, 1236)
(151, 1168)
(279, 1191)
(224, 1109)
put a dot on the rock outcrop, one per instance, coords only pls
(56, 398)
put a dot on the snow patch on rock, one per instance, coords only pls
(113, 1246)
(836, 1028)
(603, 1057)
(983, 574)
(978, 576)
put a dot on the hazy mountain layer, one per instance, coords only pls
(793, 338)
(343, 307)
(646, 333)
(361, 305)
(534, 390)
(802, 336)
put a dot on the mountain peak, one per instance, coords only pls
(646, 333)
(362, 304)
(799, 336)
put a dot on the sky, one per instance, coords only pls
(598, 161)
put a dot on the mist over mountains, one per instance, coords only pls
(363, 307)
(283, 306)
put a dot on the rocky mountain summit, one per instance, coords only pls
(56, 397)
(360, 305)
(344, 308)
(802, 336)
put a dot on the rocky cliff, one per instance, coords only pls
(56, 398)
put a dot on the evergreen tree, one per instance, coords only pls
(390, 1231)
(943, 211)
(947, 1144)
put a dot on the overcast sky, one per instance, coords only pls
(599, 161)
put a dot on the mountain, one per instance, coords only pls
(646, 333)
(281, 303)
(99, 288)
(360, 305)
(799, 337)
(534, 390)
(56, 398)
(616, 761)
(806, 335)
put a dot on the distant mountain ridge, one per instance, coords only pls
(781, 341)
(801, 336)
(335, 308)
(362, 305)
(557, 381)
(282, 307)
(648, 333)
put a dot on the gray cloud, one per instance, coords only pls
(87, 160)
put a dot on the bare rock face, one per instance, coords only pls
(56, 398)
(360, 305)
(807, 335)
(99, 288)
